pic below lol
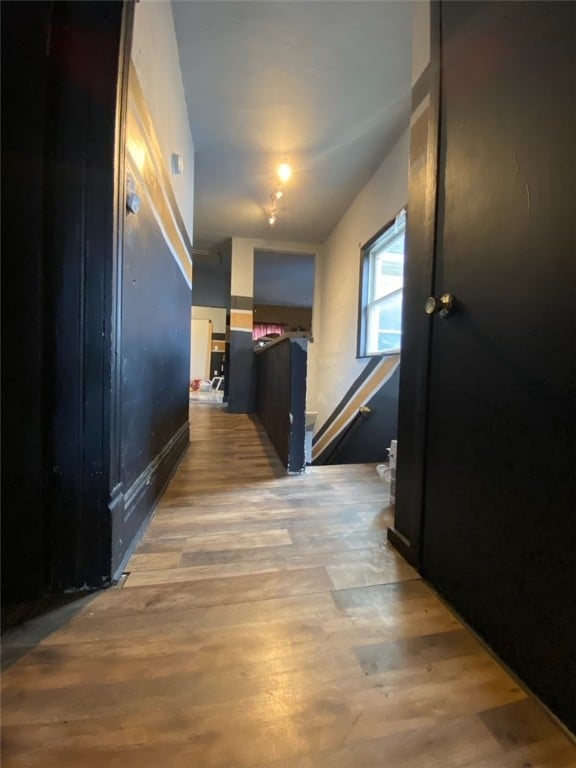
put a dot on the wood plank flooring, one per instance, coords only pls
(266, 623)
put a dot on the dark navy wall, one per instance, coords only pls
(155, 370)
(242, 381)
(241, 368)
(366, 442)
(211, 286)
(155, 345)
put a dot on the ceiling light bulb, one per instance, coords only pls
(272, 219)
(284, 172)
(278, 192)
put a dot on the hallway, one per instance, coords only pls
(266, 623)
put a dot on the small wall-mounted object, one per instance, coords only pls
(177, 164)
(132, 197)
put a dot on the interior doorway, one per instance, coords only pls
(283, 292)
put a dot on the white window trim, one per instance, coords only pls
(369, 254)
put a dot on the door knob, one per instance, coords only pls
(442, 306)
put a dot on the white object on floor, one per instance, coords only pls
(308, 433)
(210, 396)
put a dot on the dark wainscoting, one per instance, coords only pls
(281, 397)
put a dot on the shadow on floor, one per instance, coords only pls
(24, 625)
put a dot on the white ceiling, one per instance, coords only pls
(323, 85)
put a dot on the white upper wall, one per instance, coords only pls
(217, 315)
(155, 57)
(242, 269)
(333, 365)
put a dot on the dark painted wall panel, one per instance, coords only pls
(155, 345)
(24, 87)
(273, 396)
(211, 286)
(241, 377)
(64, 81)
(85, 48)
(499, 534)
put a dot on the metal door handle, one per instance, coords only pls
(443, 306)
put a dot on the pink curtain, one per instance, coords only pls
(263, 329)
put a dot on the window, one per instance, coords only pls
(382, 265)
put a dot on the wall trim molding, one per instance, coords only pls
(132, 511)
(404, 547)
(178, 452)
(138, 488)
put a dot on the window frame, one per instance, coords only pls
(364, 288)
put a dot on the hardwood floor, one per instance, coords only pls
(266, 623)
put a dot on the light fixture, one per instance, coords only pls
(284, 172)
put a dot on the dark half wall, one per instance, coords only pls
(281, 397)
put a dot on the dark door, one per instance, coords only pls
(498, 535)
